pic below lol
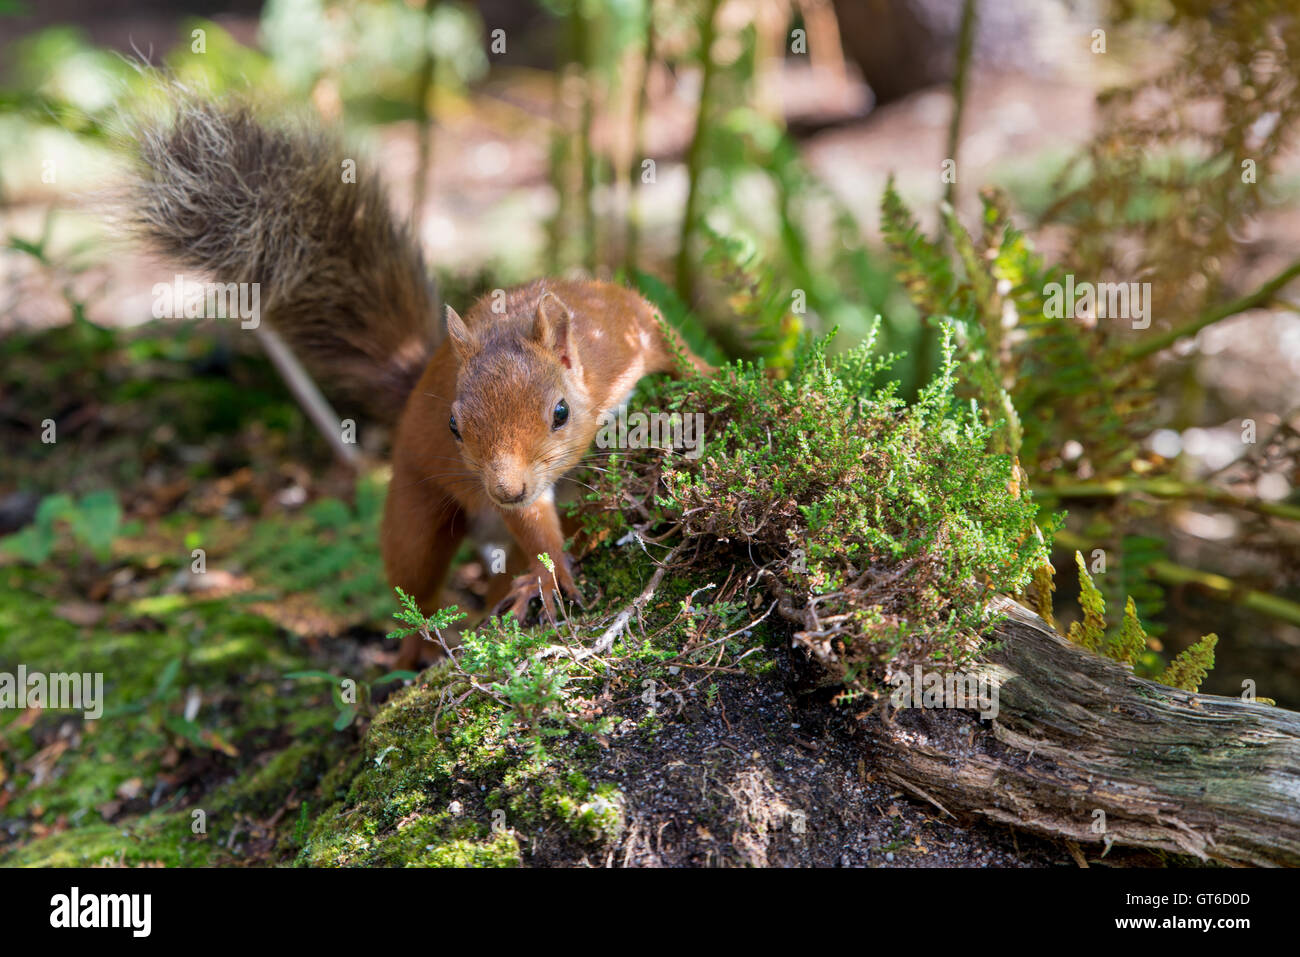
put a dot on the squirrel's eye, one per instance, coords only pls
(454, 430)
(561, 414)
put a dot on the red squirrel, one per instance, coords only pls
(490, 419)
(508, 404)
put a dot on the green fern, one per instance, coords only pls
(1091, 631)
(1039, 592)
(922, 266)
(1128, 644)
(1189, 669)
(1041, 379)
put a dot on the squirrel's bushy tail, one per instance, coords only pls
(219, 191)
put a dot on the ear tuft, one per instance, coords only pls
(552, 326)
(459, 334)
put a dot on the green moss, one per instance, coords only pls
(155, 839)
(91, 783)
(592, 816)
(501, 851)
(456, 789)
(297, 767)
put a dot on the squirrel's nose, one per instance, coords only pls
(505, 497)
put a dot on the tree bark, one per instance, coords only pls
(1077, 734)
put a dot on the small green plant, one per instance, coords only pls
(93, 522)
(528, 671)
(1091, 631)
(414, 620)
(882, 528)
(1128, 642)
(1189, 669)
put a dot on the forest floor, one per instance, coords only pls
(210, 752)
(485, 212)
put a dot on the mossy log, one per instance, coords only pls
(1077, 734)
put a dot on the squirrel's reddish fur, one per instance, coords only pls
(222, 192)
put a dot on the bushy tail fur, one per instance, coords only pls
(221, 192)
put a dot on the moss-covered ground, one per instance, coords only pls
(237, 612)
(209, 750)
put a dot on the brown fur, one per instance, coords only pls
(220, 192)
(509, 369)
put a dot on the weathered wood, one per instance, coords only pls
(1076, 733)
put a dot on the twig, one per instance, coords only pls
(1261, 296)
(965, 43)
(638, 150)
(302, 387)
(1167, 488)
(424, 128)
(606, 641)
(725, 638)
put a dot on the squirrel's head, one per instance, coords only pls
(521, 416)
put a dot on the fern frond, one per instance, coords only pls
(1091, 632)
(1189, 669)
(1131, 640)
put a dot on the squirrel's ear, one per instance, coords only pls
(552, 326)
(458, 332)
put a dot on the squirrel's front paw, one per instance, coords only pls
(529, 587)
(519, 598)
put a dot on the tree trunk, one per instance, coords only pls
(1077, 734)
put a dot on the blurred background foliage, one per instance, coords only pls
(731, 158)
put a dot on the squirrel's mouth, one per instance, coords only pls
(527, 499)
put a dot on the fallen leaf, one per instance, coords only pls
(43, 761)
(216, 741)
(82, 613)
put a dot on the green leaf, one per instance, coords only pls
(167, 678)
(321, 675)
(395, 676)
(98, 519)
(33, 544)
(54, 507)
(186, 729)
